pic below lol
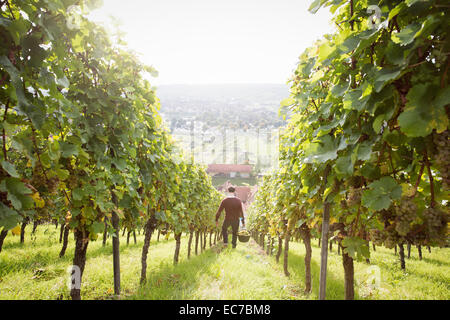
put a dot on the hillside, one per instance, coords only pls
(222, 105)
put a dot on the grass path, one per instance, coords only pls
(34, 271)
(220, 273)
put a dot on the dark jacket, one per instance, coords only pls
(233, 209)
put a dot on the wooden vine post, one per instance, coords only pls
(324, 251)
(116, 252)
(324, 242)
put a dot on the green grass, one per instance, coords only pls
(424, 279)
(34, 271)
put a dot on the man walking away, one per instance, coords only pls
(233, 211)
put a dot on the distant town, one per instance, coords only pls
(230, 124)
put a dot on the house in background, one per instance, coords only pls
(230, 170)
(245, 193)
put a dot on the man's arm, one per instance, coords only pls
(242, 214)
(219, 211)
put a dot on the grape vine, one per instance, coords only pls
(364, 154)
(82, 141)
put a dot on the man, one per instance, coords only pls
(233, 211)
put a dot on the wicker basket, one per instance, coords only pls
(243, 238)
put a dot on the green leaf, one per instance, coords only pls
(120, 164)
(62, 173)
(370, 171)
(15, 201)
(344, 166)
(94, 4)
(395, 54)
(78, 194)
(325, 50)
(287, 102)
(4, 22)
(395, 138)
(64, 82)
(16, 81)
(36, 114)
(407, 34)
(363, 151)
(9, 167)
(315, 6)
(97, 227)
(339, 89)
(17, 193)
(9, 218)
(423, 112)
(378, 122)
(385, 75)
(412, 2)
(381, 193)
(349, 44)
(324, 149)
(356, 248)
(353, 100)
(15, 186)
(68, 149)
(443, 97)
(399, 8)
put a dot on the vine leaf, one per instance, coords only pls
(385, 75)
(423, 112)
(356, 248)
(315, 6)
(324, 149)
(407, 35)
(9, 167)
(8, 217)
(380, 194)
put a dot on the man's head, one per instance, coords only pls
(231, 189)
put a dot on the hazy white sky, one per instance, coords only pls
(218, 41)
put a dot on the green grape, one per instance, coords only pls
(377, 236)
(442, 157)
(436, 220)
(354, 196)
(38, 180)
(406, 213)
(391, 239)
(53, 184)
(72, 182)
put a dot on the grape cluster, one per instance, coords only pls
(42, 213)
(42, 183)
(72, 182)
(377, 236)
(38, 179)
(442, 157)
(391, 238)
(3, 195)
(436, 221)
(354, 196)
(406, 213)
(53, 184)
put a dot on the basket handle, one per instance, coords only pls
(241, 227)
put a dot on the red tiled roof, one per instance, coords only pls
(246, 194)
(227, 168)
(243, 192)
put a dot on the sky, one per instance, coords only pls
(217, 41)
